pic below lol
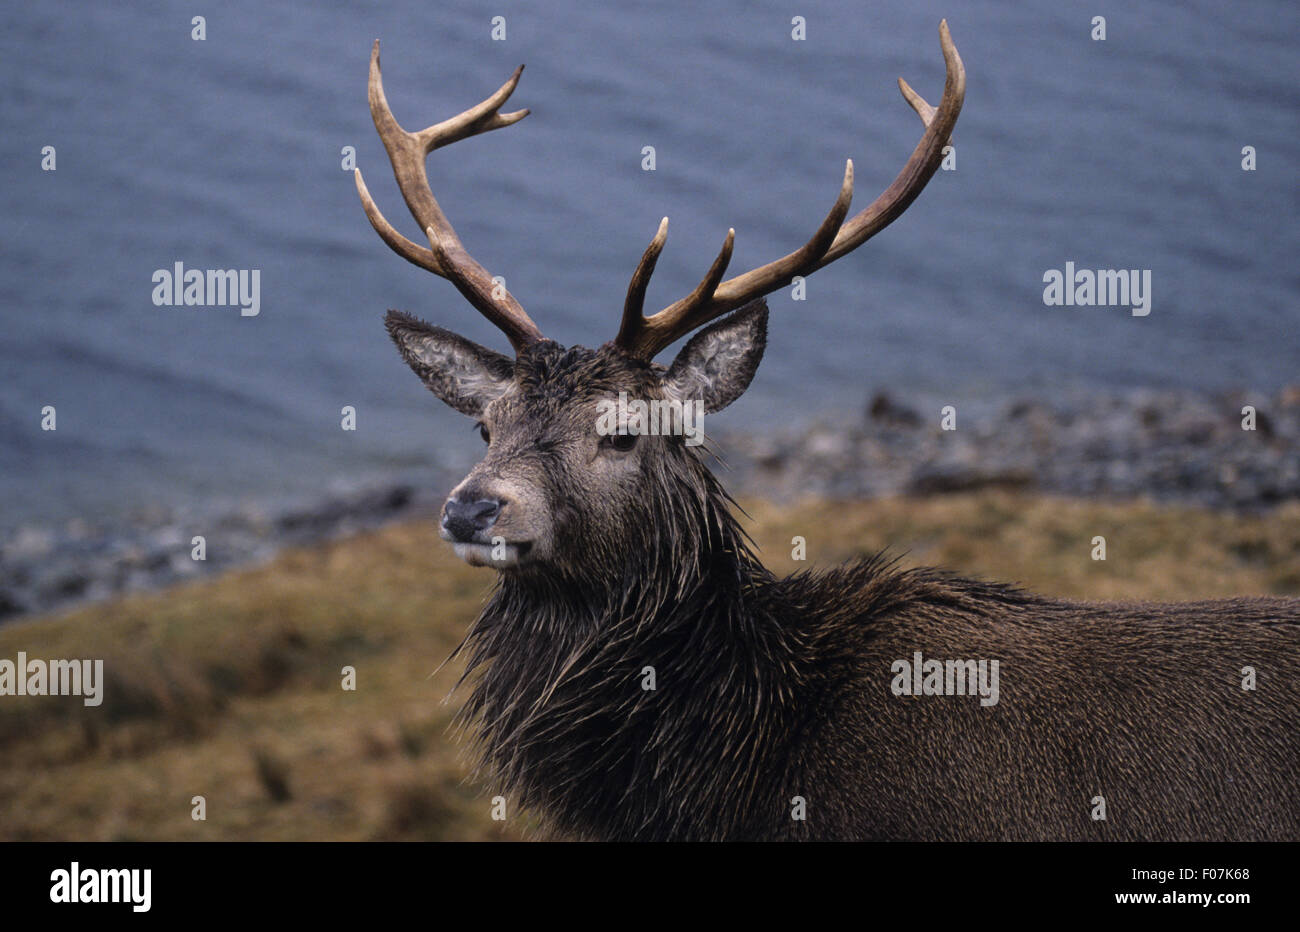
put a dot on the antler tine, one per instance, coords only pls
(923, 109)
(641, 336)
(703, 292)
(447, 258)
(634, 304)
(922, 164)
(417, 255)
(832, 240)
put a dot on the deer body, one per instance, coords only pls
(783, 691)
(638, 673)
(768, 689)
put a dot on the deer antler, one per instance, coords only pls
(643, 337)
(445, 257)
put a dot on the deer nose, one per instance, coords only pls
(465, 519)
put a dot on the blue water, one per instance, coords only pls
(225, 153)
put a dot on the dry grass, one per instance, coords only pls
(230, 689)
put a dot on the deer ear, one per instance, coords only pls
(463, 374)
(718, 363)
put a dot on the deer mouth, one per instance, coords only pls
(501, 554)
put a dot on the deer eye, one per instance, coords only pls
(483, 432)
(620, 442)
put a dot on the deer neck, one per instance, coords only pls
(582, 690)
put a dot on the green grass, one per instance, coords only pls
(230, 688)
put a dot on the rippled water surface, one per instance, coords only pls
(225, 153)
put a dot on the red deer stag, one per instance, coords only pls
(801, 707)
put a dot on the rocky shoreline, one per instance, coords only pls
(1171, 447)
(47, 569)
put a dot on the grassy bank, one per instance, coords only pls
(230, 688)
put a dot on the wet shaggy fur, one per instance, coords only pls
(769, 689)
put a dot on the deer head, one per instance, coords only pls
(553, 492)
